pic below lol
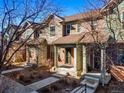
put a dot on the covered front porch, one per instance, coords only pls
(76, 58)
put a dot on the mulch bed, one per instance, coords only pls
(114, 86)
(65, 85)
(30, 75)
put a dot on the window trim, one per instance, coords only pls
(122, 16)
(66, 29)
(122, 20)
(94, 25)
(119, 52)
(54, 30)
(79, 28)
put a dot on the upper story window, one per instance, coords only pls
(79, 28)
(68, 29)
(93, 25)
(52, 30)
(36, 34)
(123, 20)
(123, 16)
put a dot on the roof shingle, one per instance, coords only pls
(85, 37)
(71, 39)
(90, 14)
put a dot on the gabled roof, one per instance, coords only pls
(37, 41)
(87, 15)
(31, 24)
(85, 37)
(111, 4)
(95, 37)
(48, 19)
(70, 39)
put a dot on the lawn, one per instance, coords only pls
(114, 86)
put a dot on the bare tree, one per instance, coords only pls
(110, 13)
(17, 12)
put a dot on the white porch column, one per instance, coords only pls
(75, 58)
(79, 59)
(103, 66)
(27, 54)
(84, 60)
(55, 56)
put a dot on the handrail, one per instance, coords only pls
(82, 85)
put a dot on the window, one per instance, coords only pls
(36, 34)
(121, 56)
(52, 30)
(93, 25)
(123, 20)
(79, 27)
(123, 16)
(122, 25)
(68, 29)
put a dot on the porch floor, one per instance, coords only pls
(98, 75)
(66, 70)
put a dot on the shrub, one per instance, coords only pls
(34, 66)
(27, 80)
(21, 77)
(31, 76)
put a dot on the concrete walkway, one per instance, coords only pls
(43, 83)
(12, 70)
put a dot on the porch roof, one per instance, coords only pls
(36, 41)
(92, 37)
(70, 39)
(85, 37)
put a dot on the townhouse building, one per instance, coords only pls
(81, 43)
(91, 41)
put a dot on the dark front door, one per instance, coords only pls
(68, 56)
(97, 59)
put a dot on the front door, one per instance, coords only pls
(68, 56)
(97, 59)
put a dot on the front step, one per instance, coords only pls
(87, 85)
(98, 75)
(91, 82)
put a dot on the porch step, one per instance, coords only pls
(82, 90)
(91, 82)
(98, 76)
(88, 85)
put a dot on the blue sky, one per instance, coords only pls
(69, 7)
(76, 6)
(73, 6)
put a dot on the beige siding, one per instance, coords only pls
(58, 30)
(85, 26)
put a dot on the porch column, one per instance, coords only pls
(84, 60)
(55, 56)
(79, 60)
(27, 54)
(75, 59)
(103, 66)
